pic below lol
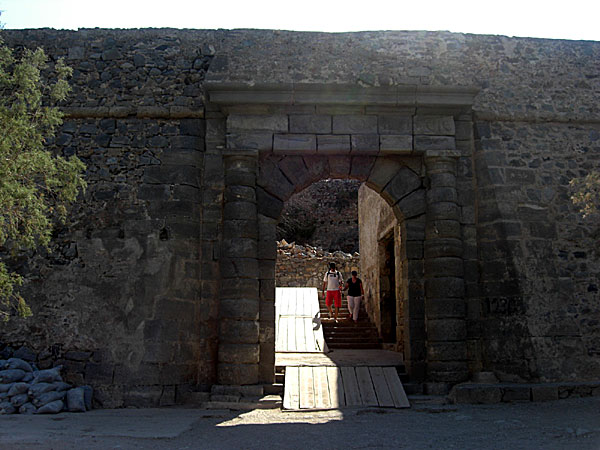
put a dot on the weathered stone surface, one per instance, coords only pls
(275, 123)
(446, 330)
(395, 124)
(239, 353)
(423, 143)
(311, 124)
(237, 374)
(254, 141)
(403, 183)
(383, 171)
(295, 143)
(238, 331)
(436, 126)
(354, 124)
(395, 144)
(364, 143)
(333, 143)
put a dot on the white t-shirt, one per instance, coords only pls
(334, 279)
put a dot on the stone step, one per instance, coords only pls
(273, 389)
(249, 403)
(356, 345)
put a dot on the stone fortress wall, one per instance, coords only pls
(136, 275)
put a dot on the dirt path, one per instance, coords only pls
(568, 424)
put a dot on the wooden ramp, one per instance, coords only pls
(314, 380)
(298, 322)
(330, 387)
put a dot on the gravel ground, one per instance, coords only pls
(565, 424)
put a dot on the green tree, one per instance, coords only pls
(586, 193)
(36, 186)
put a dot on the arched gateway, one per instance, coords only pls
(276, 140)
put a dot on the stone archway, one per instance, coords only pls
(278, 141)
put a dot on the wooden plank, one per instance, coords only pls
(351, 390)
(365, 386)
(291, 334)
(291, 396)
(322, 398)
(300, 335)
(336, 387)
(307, 391)
(382, 390)
(396, 389)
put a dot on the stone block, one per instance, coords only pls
(361, 167)
(445, 308)
(250, 141)
(240, 178)
(98, 373)
(339, 166)
(239, 288)
(444, 267)
(434, 125)
(239, 353)
(238, 331)
(403, 183)
(237, 374)
(272, 180)
(441, 194)
(76, 355)
(239, 267)
(354, 124)
(172, 174)
(444, 287)
(187, 142)
(267, 249)
(544, 392)
(443, 179)
(395, 124)
(395, 144)
(267, 311)
(318, 166)
(436, 229)
(364, 143)
(447, 371)
(446, 330)
(268, 205)
(443, 211)
(295, 143)
(240, 211)
(266, 269)
(296, 171)
(383, 171)
(240, 228)
(446, 351)
(274, 123)
(412, 205)
(516, 393)
(424, 143)
(333, 144)
(310, 123)
(239, 309)
(142, 396)
(241, 248)
(267, 288)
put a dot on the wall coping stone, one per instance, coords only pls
(225, 93)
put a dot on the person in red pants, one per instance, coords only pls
(332, 284)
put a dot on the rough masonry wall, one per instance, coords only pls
(324, 214)
(305, 266)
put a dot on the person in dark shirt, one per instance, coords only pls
(355, 293)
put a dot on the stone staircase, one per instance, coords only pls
(345, 334)
(244, 397)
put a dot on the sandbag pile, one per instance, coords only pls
(26, 390)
